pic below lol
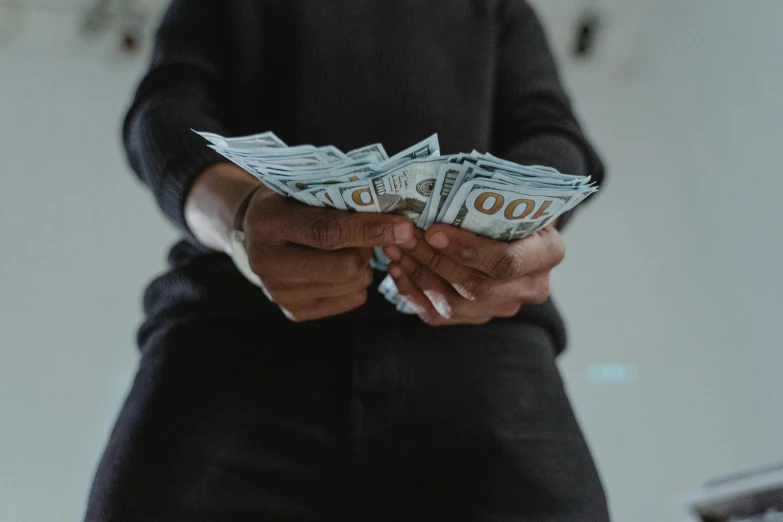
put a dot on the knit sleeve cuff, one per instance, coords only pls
(168, 155)
(562, 152)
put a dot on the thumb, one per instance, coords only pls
(329, 229)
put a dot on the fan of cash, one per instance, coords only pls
(479, 192)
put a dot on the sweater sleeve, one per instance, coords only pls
(534, 121)
(182, 90)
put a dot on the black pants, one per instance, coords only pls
(346, 419)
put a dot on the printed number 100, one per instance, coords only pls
(491, 203)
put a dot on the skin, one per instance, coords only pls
(452, 276)
(312, 262)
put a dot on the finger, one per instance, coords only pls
(444, 299)
(455, 307)
(531, 289)
(542, 250)
(326, 307)
(469, 283)
(430, 315)
(300, 264)
(414, 296)
(329, 229)
(297, 295)
(472, 284)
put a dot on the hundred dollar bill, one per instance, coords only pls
(405, 189)
(331, 154)
(299, 183)
(487, 195)
(375, 153)
(257, 165)
(498, 210)
(264, 140)
(356, 196)
(424, 149)
(526, 176)
(322, 195)
(539, 169)
(450, 178)
(505, 212)
(267, 152)
(279, 157)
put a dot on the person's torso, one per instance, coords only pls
(354, 72)
(345, 73)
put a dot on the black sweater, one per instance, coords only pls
(342, 72)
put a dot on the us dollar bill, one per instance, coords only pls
(297, 184)
(487, 195)
(450, 178)
(374, 153)
(424, 149)
(266, 139)
(505, 212)
(405, 189)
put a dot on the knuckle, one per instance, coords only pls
(477, 288)
(540, 290)
(371, 233)
(510, 310)
(352, 266)
(435, 260)
(504, 266)
(328, 233)
(417, 274)
(467, 253)
(557, 247)
(366, 278)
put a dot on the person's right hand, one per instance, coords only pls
(315, 262)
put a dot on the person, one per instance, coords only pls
(313, 399)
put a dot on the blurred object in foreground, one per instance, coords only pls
(754, 496)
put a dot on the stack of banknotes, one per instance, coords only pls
(479, 192)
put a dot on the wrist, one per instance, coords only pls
(213, 201)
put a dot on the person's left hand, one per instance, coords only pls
(452, 276)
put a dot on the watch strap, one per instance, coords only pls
(237, 240)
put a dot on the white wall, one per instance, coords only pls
(672, 271)
(675, 270)
(79, 239)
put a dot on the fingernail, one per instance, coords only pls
(395, 271)
(438, 300)
(403, 231)
(394, 253)
(438, 240)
